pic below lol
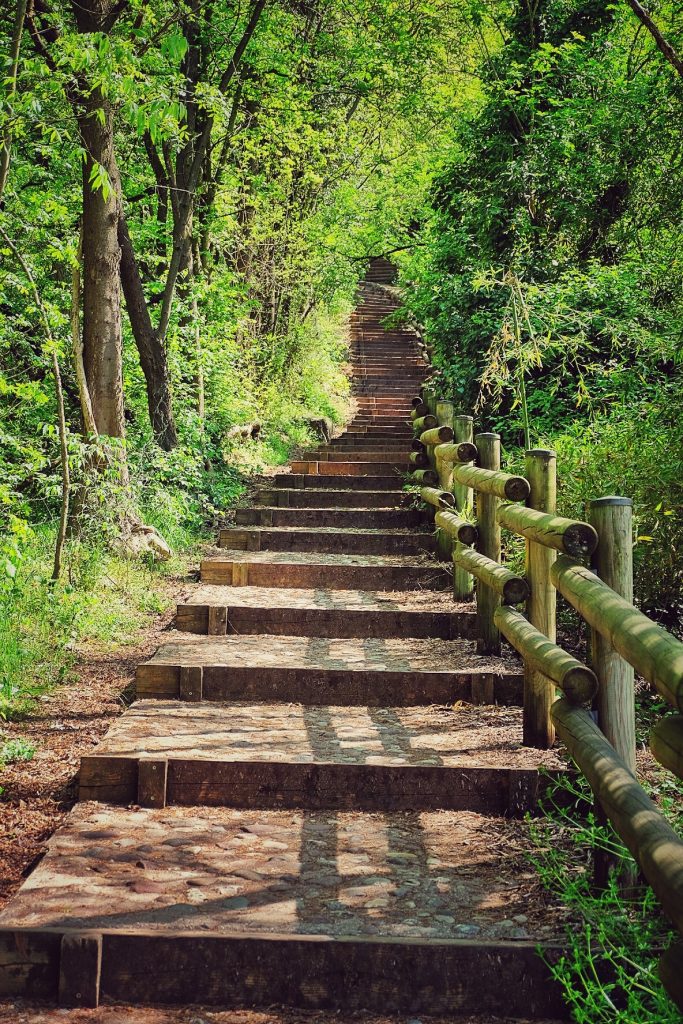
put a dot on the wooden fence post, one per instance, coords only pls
(539, 691)
(463, 582)
(612, 518)
(444, 414)
(488, 635)
(429, 395)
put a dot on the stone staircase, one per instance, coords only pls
(317, 797)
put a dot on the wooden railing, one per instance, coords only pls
(590, 564)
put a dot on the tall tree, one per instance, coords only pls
(93, 110)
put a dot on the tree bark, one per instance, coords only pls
(150, 348)
(102, 341)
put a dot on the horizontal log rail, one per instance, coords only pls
(437, 435)
(499, 484)
(577, 682)
(642, 827)
(423, 423)
(666, 743)
(425, 478)
(569, 536)
(439, 499)
(459, 529)
(512, 589)
(459, 451)
(419, 410)
(654, 652)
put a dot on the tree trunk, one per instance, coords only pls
(150, 348)
(102, 342)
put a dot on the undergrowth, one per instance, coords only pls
(609, 971)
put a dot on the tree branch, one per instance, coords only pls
(662, 44)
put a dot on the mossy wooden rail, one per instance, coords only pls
(590, 564)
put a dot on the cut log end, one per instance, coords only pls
(580, 540)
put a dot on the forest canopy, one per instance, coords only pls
(190, 191)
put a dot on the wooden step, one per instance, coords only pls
(328, 497)
(372, 672)
(388, 913)
(332, 571)
(349, 453)
(341, 518)
(354, 468)
(340, 614)
(321, 757)
(357, 481)
(326, 538)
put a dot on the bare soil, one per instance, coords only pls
(36, 1013)
(65, 724)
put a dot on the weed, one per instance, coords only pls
(16, 750)
(609, 971)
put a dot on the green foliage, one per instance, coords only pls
(609, 972)
(16, 750)
(548, 273)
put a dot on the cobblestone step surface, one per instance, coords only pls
(311, 908)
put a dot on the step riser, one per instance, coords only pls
(329, 577)
(283, 498)
(353, 469)
(319, 480)
(317, 787)
(328, 543)
(338, 624)
(338, 687)
(350, 454)
(310, 972)
(362, 519)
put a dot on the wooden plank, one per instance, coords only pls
(80, 969)
(322, 972)
(484, 688)
(29, 963)
(190, 687)
(327, 786)
(157, 680)
(217, 624)
(523, 792)
(152, 778)
(105, 777)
